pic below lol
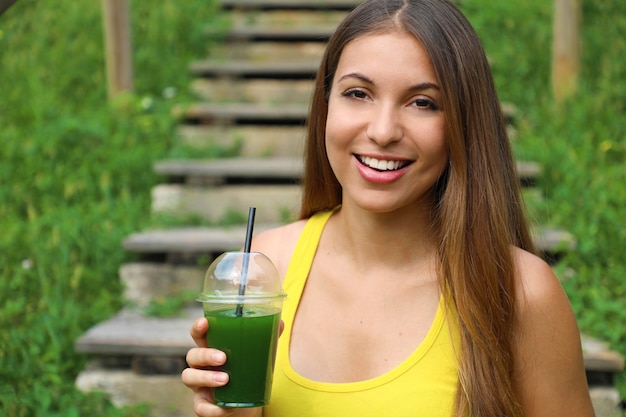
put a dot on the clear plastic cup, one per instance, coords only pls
(242, 300)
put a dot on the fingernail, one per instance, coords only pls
(219, 357)
(221, 378)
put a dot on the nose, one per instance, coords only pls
(384, 126)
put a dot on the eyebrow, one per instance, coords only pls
(418, 87)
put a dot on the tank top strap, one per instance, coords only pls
(302, 259)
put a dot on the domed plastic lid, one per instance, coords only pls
(240, 277)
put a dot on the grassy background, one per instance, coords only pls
(75, 171)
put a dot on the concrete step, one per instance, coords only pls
(242, 113)
(280, 25)
(289, 69)
(130, 333)
(601, 360)
(166, 395)
(249, 141)
(191, 240)
(163, 277)
(275, 203)
(287, 24)
(229, 170)
(289, 4)
(253, 90)
(268, 51)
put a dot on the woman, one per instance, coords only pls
(413, 287)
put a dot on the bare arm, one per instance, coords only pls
(550, 370)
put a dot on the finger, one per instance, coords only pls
(198, 332)
(199, 379)
(202, 358)
(281, 327)
(204, 407)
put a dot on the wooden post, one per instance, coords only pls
(118, 46)
(5, 4)
(566, 48)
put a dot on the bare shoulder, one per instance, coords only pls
(549, 364)
(542, 306)
(536, 282)
(278, 243)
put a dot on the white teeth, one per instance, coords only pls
(380, 165)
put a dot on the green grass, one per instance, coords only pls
(75, 171)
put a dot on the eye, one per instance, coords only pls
(355, 93)
(425, 103)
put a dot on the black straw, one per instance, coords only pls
(246, 259)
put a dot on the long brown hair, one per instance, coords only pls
(479, 210)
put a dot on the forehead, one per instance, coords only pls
(393, 54)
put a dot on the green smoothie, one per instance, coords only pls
(249, 343)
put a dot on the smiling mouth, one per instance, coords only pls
(382, 164)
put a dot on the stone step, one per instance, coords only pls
(289, 4)
(191, 240)
(275, 203)
(275, 169)
(243, 113)
(163, 277)
(268, 51)
(289, 69)
(601, 360)
(166, 395)
(249, 141)
(130, 333)
(320, 33)
(285, 23)
(253, 90)
(280, 25)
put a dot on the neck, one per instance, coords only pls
(398, 239)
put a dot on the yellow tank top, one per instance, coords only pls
(423, 385)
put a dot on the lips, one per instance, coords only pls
(382, 164)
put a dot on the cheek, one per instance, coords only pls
(336, 142)
(335, 134)
(333, 123)
(341, 121)
(434, 148)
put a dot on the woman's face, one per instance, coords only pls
(385, 127)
